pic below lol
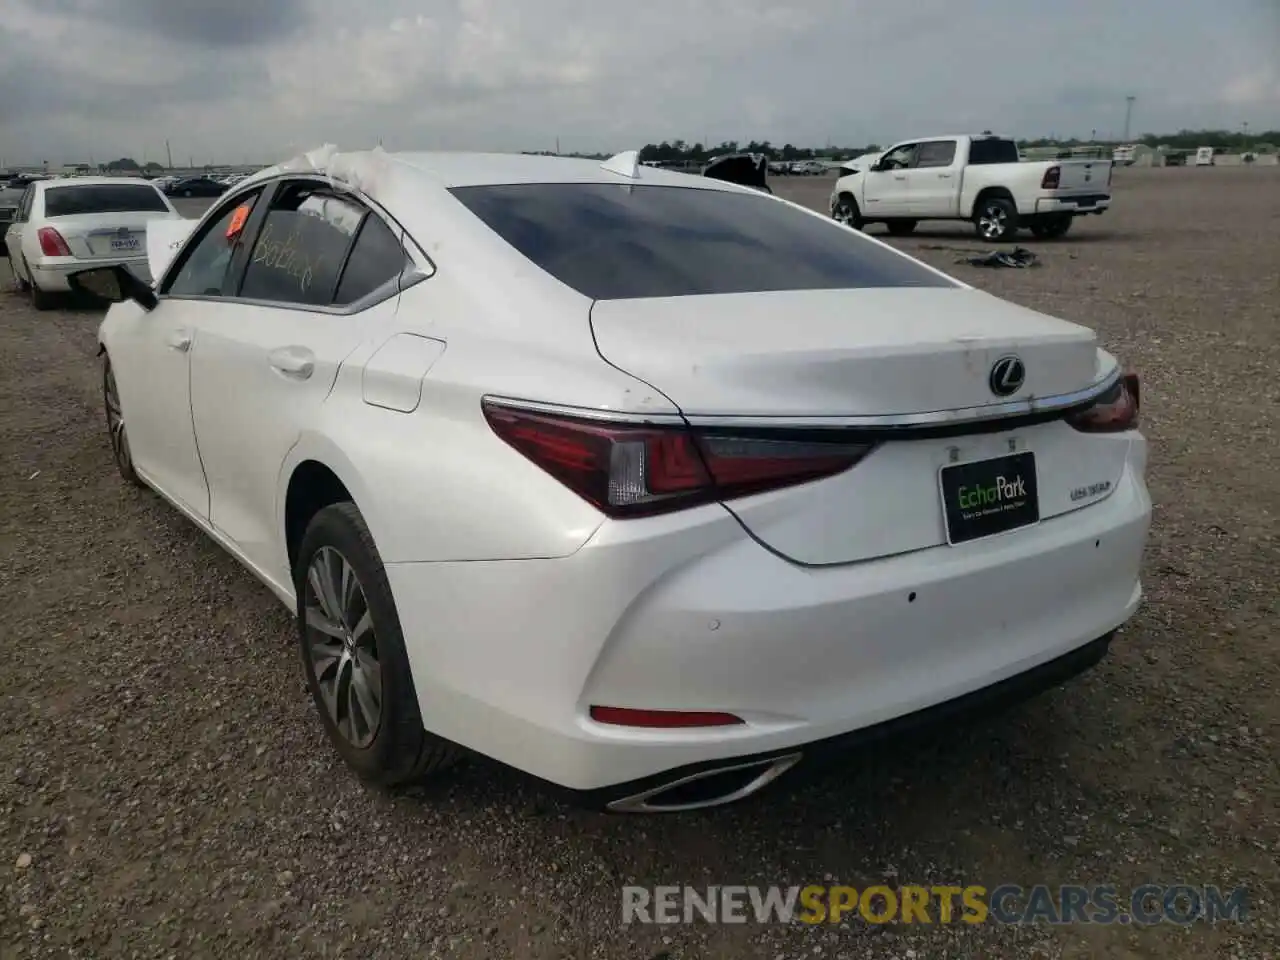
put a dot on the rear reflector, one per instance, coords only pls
(51, 243)
(629, 470)
(1114, 412)
(662, 719)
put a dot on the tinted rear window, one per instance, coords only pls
(102, 198)
(993, 151)
(618, 242)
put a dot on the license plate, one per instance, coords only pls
(987, 497)
(124, 243)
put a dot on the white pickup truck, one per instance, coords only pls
(979, 179)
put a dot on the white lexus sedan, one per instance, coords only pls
(648, 485)
(65, 226)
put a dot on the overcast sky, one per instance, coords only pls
(258, 80)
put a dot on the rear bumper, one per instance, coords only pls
(969, 707)
(1073, 205)
(687, 613)
(51, 272)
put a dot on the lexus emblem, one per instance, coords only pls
(1007, 376)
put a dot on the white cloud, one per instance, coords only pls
(237, 81)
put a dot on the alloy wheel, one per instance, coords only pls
(994, 222)
(342, 648)
(845, 213)
(115, 422)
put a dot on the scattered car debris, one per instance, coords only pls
(1017, 257)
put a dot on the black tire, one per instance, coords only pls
(398, 750)
(846, 211)
(40, 299)
(901, 228)
(996, 219)
(121, 453)
(1050, 228)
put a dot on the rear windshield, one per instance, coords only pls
(619, 242)
(102, 198)
(993, 151)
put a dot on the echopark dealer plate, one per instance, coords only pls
(984, 498)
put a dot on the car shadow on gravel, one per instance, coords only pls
(871, 778)
(1023, 239)
(66, 303)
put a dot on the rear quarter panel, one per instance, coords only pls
(1022, 180)
(436, 483)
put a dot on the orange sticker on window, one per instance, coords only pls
(237, 221)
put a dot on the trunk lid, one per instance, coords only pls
(95, 236)
(873, 353)
(841, 353)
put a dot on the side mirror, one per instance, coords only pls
(115, 285)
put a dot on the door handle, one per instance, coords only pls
(297, 363)
(899, 176)
(180, 340)
(944, 176)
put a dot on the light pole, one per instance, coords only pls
(1128, 115)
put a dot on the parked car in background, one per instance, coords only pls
(808, 168)
(650, 485)
(1124, 156)
(980, 179)
(63, 226)
(196, 187)
(1205, 157)
(1175, 158)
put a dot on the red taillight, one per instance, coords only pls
(1113, 412)
(639, 470)
(1052, 177)
(662, 719)
(52, 244)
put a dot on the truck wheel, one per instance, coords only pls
(901, 228)
(996, 219)
(1050, 228)
(846, 211)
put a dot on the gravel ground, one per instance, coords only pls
(166, 791)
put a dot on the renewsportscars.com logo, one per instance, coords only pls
(1144, 905)
(1001, 491)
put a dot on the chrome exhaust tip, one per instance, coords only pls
(743, 779)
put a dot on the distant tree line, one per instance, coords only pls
(679, 150)
(128, 163)
(1182, 140)
(669, 151)
(1264, 141)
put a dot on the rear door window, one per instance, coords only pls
(71, 201)
(615, 241)
(376, 258)
(936, 153)
(302, 246)
(992, 151)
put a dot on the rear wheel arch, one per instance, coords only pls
(312, 487)
(991, 193)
